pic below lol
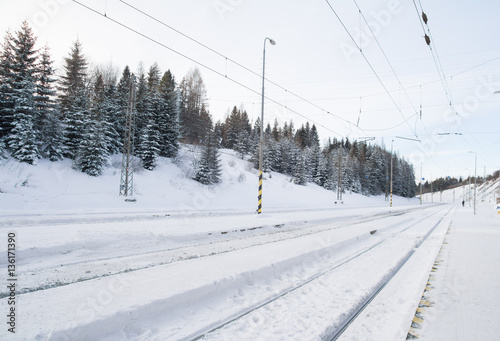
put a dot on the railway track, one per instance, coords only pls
(346, 315)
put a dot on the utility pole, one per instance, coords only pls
(421, 180)
(475, 180)
(392, 143)
(127, 173)
(432, 192)
(339, 185)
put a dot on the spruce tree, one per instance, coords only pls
(49, 119)
(73, 99)
(93, 150)
(6, 88)
(122, 102)
(92, 155)
(209, 167)
(168, 120)
(23, 141)
(149, 147)
(194, 118)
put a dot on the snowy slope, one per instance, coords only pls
(57, 188)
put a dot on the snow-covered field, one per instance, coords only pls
(185, 258)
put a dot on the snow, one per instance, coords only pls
(186, 257)
(467, 282)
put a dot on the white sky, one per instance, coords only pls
(314, 58)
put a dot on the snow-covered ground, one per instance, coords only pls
(185, 258)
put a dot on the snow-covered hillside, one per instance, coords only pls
(56, 187)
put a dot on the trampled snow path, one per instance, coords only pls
(176, 300)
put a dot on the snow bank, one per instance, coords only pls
(56, 188)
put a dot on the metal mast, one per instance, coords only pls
(127, 173)
(339, 181)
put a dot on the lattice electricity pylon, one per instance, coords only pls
(127, 174)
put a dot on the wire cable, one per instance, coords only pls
(106, 16)
(234, 62)
(385, 56)
(371, 67)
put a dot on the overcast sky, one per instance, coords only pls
(314, 58)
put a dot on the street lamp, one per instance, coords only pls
(261, 142)
(498, 92)
(475, 179)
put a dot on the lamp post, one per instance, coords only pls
(475, 178)
(261, 142)
(498, 92)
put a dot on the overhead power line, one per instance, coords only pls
(371, 67)
(234, 62)
(107, 16)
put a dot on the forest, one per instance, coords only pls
(81, 115)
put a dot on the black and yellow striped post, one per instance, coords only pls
(259, 209)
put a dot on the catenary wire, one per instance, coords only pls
(106, 16)
(235, 62)
(371, 67)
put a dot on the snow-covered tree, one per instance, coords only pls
(73, 99)
(49, 120)
(92, 155)
(209, 167)
(93, 151)
(23, 141)
(6, 88)
(149, 147)
(194, 119)
(168, 120)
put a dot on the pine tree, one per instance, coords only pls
(49, 120)
(93, 151)
(143, 110)
(299, 172)
(169, 118)
(122, 100)
(209, 167)
(92, 155)
(194, 117)
(73, 99)
(149, 146)
(6, 89)
(23, 141)
(112, 119)
(242, 146)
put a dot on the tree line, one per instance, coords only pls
(81, 115)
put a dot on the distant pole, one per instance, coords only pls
(432, 191)
(468, 195)
(261, 142)
(421, 183)
(392, 145)
(475, 179)
(339, 186)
